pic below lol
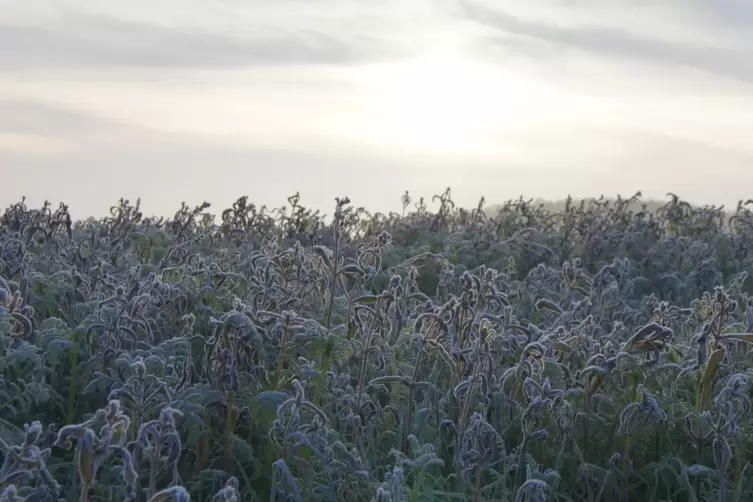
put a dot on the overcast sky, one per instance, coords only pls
(173, 100)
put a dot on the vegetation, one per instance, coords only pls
(599, 352)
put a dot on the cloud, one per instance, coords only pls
(34, 129)
(33, 145)
(730, 62)
(725, 12)
(165, 169)
(58, 152)
(79, 39)
(165, 173)
(177, 100)
(30, 129)
(39, 118)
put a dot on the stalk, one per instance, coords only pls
(335, 263)
(153, 470)
(362, 375)
(409, 416)
(477, 492)
(521, 464)
(281, 356)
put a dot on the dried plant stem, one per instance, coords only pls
(468, 399)
(521, 465)
(335, 265)
(477, 490)
(281, 355)
(154, 468)
(603, 487)
(84, 492)
(230, 427)
(740, 463)
(364, 362)
(627, 472)
(72, 397)
(460, 344)
(409, 408)
(586, 422)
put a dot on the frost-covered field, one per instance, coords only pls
(597, 353)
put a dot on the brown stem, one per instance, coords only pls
(409, 417)
(477, 493)
(362, 375)
(230, 427)
(85, 492)
(153, 470)
(467, 403)
(281, 356)
(334, 275)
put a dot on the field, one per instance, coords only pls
(596, 353)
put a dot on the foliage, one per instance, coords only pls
(598, 352)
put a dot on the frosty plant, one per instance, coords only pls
(141, 391)
(290, 432)
(13, 303)
(334, 264)
(27, 463)
(159, 443)
(94, 447)
(634, 416)
(512, 352)
(478, 447)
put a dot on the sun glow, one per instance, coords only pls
(445, 104)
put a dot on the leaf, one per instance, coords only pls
(545, 304)
(323, 253)
(241, 448)
(421, 385)
(419, 296)
(270, 400)
(193, 425)
(746, 337)
(176, 493)
(696, 469)
(553, 370)
(366, 299)
(390, 379)
(596, 385)
(24, 352)
(100, 384)
(707, 381)
(462, 387)
(56, 349)
(351, 269)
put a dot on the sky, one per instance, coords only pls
(193, 100)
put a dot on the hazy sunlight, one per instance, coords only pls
(444, 103)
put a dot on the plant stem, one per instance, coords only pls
(477, 492)
(281, 356)
(72, 388)
(153, 470)
(334, 274)
(409, 408)
(362, 375)
(521, 464)
(627, 473)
